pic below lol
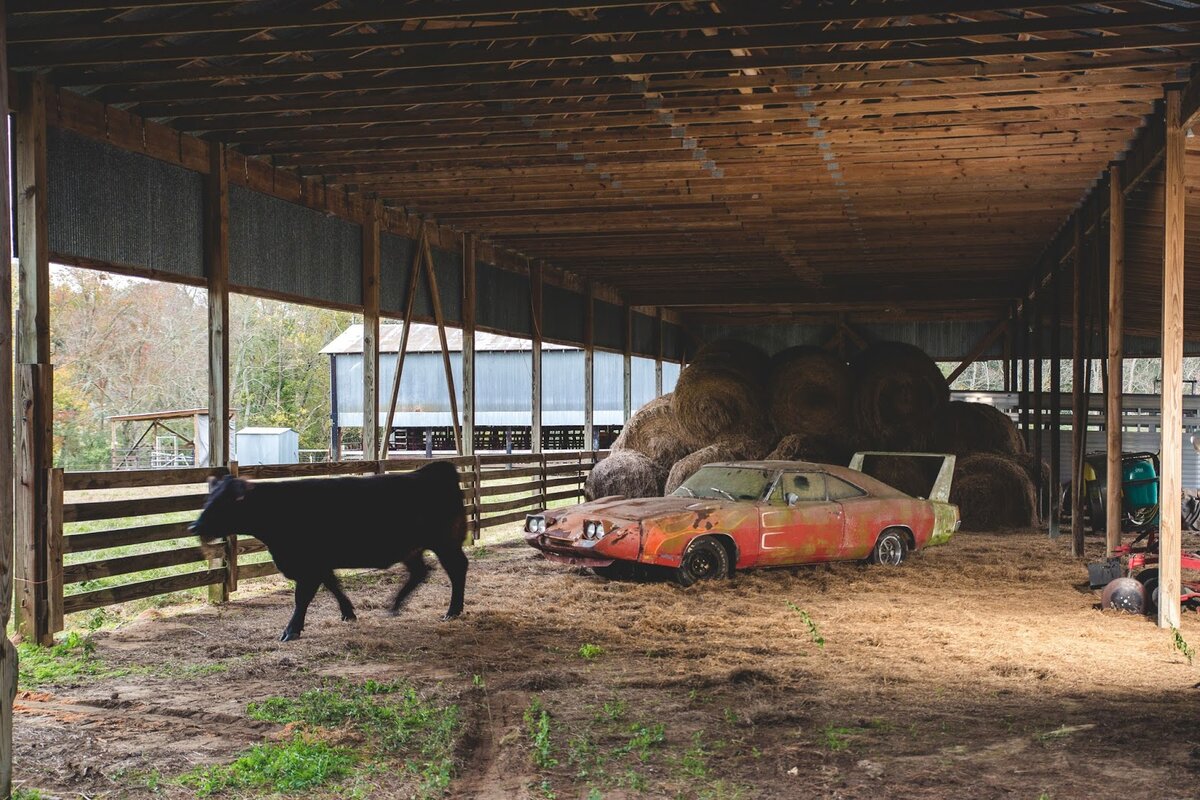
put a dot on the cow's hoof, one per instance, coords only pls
(451, 615)
(349, 617)
(289, 635)
(393, 612)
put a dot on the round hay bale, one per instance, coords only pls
(812, 447)
(742, 448)
(993, 492)
(626, 473)
(715, 400)
(751, 360)
(899, 393)
(909, 475)
(977, 428)
(654, 432)
(809, 392)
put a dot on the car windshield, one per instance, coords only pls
(727, 483)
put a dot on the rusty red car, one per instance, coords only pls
(741, 515)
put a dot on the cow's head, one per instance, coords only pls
(220, 515)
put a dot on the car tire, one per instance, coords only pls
(890, 549)
(1151, 587)
(704, 559)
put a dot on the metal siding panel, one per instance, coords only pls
(562, 314)
(110, 205)
(283, 247)
(609, 320)
(503, 302)
(643, 381)
(948, 341)
(644, 340)
(447, 266)
(395, 261)
(670, 376)
(608, 385)
(672, 342)
(562, 387)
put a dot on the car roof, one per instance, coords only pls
(876, 487)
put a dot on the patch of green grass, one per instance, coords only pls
(26, 794)
(538, 728)
(694, 761)
(836, 738)
(813, 633)
(295, 766)
(614, 709)
(73, 657)
(393, 715)
(1182, 646)
(642, 739)
(589, 652)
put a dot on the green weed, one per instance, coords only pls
(813, 633)
(589, 652)
(73, 657)
(26, 794)
(295, 766)
(695, 759)
(537, 726)
(835, 738)
(642, 739)
(393, 715)
(614, 709)
(1182, 646)
(477, 681)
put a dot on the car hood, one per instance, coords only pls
(644, 508)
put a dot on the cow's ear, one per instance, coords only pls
(243, 488)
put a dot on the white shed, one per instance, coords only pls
(268, 446)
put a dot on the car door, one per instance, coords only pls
(860, 514)
(798, 524)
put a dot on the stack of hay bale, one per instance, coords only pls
(733, 403)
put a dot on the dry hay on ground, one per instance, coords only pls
(809, 392)
(966, 428)
(654, 432)
(714, 399)
(812, 447)
(626, 473)
(993, 492)
(899, 393)
(742, 448)
(909, 474)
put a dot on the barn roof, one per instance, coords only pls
(424, 339)
(910, 154)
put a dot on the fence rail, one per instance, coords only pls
(498, 489)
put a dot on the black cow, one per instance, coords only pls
(313, 526)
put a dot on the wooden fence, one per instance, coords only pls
(498, 489)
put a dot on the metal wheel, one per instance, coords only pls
(1141, 517)
(890, 548)
(704, 559)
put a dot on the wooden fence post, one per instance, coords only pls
(231, 551)
(477, 522)
(54, 551)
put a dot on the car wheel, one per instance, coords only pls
(704, 559)
(890, 548)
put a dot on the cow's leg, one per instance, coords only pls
(335, 587)
(306, 590)
(454, 561)
(417, 572)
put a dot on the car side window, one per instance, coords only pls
(841, 490)
(800, 487)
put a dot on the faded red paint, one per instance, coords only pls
(657, 530)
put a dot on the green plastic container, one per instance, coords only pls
(1140, 483)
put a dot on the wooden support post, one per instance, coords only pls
(1116, 356)
(54, 549)
(1171, 452)
(468, 348)
(589, 368)
(658, 352)
(451, 392)
(1078, 395)
(8, 653)
(34, 390)
(370, 345)
(1023, 340)
(414, 277)
(1039, 422)
(1055, 398)
(627, 372)
(535, 305)
(216, 273)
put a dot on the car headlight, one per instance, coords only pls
(535, 524)
(589, 530)
(541, 524)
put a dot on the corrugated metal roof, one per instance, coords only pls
(424, 339)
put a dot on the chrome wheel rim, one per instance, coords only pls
(890, 550)
(701, 564)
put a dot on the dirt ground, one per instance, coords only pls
(979, 669)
